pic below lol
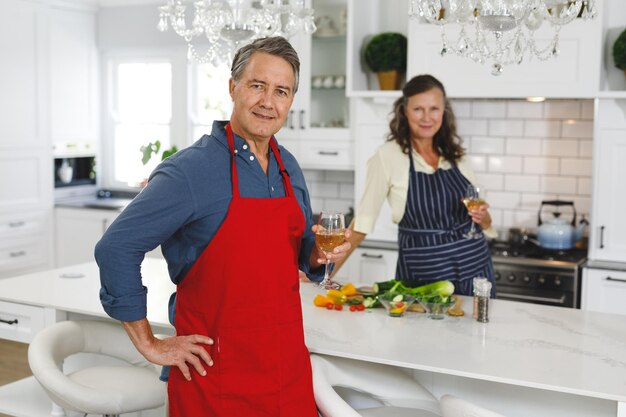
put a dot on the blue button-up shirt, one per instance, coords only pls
(182, 207)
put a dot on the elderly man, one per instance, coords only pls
(233, 217)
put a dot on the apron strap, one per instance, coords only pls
(283, 172)
(233, 166)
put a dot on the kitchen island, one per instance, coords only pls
(529, 360)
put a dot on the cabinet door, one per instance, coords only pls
(573, 73)
(320, 109)
(22, 76)
(26, 180)
(604, 291)
(77, 232)
(369, 136)
(73, 75)
(367, 266)
(608, 221)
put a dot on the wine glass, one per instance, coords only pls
(473, 199)
(330, 234)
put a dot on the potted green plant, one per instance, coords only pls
(385, 54)
(619, 51)
(153, 149)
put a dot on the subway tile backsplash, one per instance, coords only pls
(522, 153)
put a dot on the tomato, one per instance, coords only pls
(360, 307)
(353, 308)
(338, 307)
(330, 306)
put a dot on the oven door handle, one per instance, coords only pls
(533, 298)
(615, 279)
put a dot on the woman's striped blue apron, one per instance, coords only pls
(430, 234)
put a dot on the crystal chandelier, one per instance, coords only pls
(500, 31)
(230, 24)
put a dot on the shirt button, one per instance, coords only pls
(236, 151)
(245, 146)
(251, 158)
(272, 188)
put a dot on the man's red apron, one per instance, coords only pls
(243, 292)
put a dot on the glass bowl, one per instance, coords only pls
(395, 303)
(436, 310)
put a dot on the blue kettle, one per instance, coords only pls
(557, 232)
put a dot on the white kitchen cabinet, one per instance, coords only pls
(607, 237)
(573, 73)
(604, 290)
(73, 78)
(612, 80)
(316, 129)
(22, 76)
(369, 265)
(24, 242)
(370, 131)
(20, 322)
(77, 231)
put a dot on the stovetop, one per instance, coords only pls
(530, 253)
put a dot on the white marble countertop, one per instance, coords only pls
(550, 348)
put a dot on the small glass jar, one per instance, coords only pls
(482, 293)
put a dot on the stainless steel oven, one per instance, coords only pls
(532, 274)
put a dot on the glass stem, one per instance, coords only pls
(327, 272)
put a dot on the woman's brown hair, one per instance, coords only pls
(446, 141)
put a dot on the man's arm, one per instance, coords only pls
(179, 351)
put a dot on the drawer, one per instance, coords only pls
(22, 224)
(604, 290)
(320, 154)
(22, 253)
(20, 322)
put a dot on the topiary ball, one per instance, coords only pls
(386, 51)
(619, 51)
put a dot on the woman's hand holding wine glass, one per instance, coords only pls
(477, 208)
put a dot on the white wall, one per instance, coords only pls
(522, 153)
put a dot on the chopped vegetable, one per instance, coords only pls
(384, 286)
(321, 300)
(370, 302)
(348, 289)
(337, 296)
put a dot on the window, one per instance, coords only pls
(141, 113)
(211, 99)
(152, 98)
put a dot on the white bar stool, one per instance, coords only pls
(350, 388)
(105, 390)
(452, 406)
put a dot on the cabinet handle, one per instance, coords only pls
(16, 224)
(302, 120)
(14, 321)
(560, 300)
(615, 279)
(328, 153)
(291, 119)
(367, 255)
(601, 237)
(17, 254)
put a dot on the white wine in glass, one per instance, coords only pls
(330, 234)
(473, 199)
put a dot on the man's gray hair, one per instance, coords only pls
(277, 46)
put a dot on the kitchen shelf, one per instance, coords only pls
(612, 94)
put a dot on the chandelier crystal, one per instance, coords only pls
(500, 31)
(230, 24)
